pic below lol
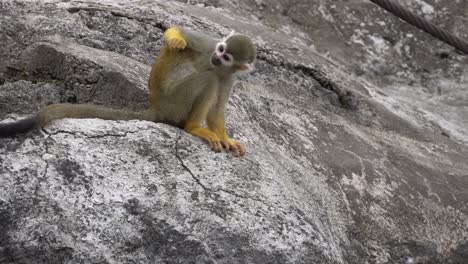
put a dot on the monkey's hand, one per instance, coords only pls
(233, 145)
(174, 38)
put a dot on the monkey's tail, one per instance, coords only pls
(18, 127)
(59, 111)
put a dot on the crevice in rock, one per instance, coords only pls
(46, 147)
(346, 97)
(69, 86)
(118, 13)
(14, 73)
(125, 134)
(76, 9)
(58, 132)
(46, 169)
(159, 25)
(185, 166)
(242, 196)
(198, 181)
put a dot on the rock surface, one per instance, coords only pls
(336, 171)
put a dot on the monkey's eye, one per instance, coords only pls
(227, 59)
(220, 48)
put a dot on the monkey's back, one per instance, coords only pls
(171, 69)
(171, 66)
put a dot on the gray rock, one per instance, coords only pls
(418, 71)
(335, 171)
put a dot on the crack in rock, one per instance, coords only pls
(118, 13)
(346, 97)
(198, 181)
(80, 133)
(47, 164)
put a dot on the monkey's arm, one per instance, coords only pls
(180, 38)
(216, 121)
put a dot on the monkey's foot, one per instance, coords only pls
(212, 138)
(235, 146)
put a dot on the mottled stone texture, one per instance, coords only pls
(338, 169)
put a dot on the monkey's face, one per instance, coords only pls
(235, 51)
(221, 57)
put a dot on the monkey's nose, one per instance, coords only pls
(215, 60)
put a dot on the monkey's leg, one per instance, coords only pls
(199, 112)
(193, 126)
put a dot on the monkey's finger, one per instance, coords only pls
(236, 151)
(240, 149)
(211, 145)
(215, 145)
(170, 43)
(173, 43)
(177, 43)
(181, 43)
(226, 145)
(219, 146)
(233, 148)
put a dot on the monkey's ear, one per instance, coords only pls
(228, 36)
(244, 67)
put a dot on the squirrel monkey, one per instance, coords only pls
(190, 83)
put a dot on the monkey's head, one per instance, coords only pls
(235, 51)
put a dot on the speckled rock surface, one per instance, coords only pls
(412, 71)
(335, 172)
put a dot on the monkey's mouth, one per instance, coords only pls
(215, 60)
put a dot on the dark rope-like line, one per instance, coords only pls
(423, 24)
